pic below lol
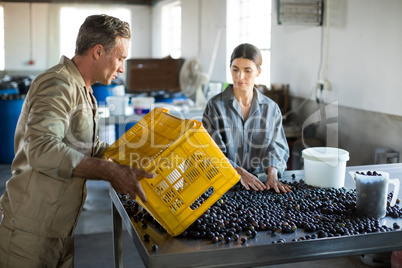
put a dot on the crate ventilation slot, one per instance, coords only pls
(180, 185)
(176, 205)
(173, 176)
(169, 196)
(161, 187)
(212, 173)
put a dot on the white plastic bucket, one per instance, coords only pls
(325, 166)
(117, 104)
(118, 90)
(142, 105)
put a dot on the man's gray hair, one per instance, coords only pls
(101, 29)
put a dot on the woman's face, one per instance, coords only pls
(244, 72)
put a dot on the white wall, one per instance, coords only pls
(17, 37)
(141, 27)
(367, 64)
(363, 41)
(45, 33)
(190, 37)
(362, 61)
(201, 22)
(213, 20)
(156, 29)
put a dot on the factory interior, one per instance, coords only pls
(332, 66)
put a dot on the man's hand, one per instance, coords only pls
(124, 179)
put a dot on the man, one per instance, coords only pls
(57, 149)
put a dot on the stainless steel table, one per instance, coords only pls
(185, 252)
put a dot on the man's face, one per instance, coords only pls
(112, 63)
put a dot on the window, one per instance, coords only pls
(249, 21)
(171, 30)
(69, 27)
(2, 55)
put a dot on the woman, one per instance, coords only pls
(247, 125)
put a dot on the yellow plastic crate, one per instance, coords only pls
(186, 162)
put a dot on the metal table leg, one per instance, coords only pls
(117, 238)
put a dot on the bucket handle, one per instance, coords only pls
(395, 182)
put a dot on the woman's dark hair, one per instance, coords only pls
(247, 51)
(101, 29)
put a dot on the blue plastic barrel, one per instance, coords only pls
(101, 92)
(122, 128)
(10, 109)
(9, 91)
(8, 87)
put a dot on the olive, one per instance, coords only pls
(146, 237)
(236, 237)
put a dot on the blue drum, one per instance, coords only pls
(10, 109)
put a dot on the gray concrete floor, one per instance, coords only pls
(94, 240)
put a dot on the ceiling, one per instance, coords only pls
(133, 2)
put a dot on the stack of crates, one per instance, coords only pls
(186, 162)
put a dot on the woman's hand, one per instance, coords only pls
(249, 180)
(273, 182)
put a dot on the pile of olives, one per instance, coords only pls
(241, 214)
(369, 173)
